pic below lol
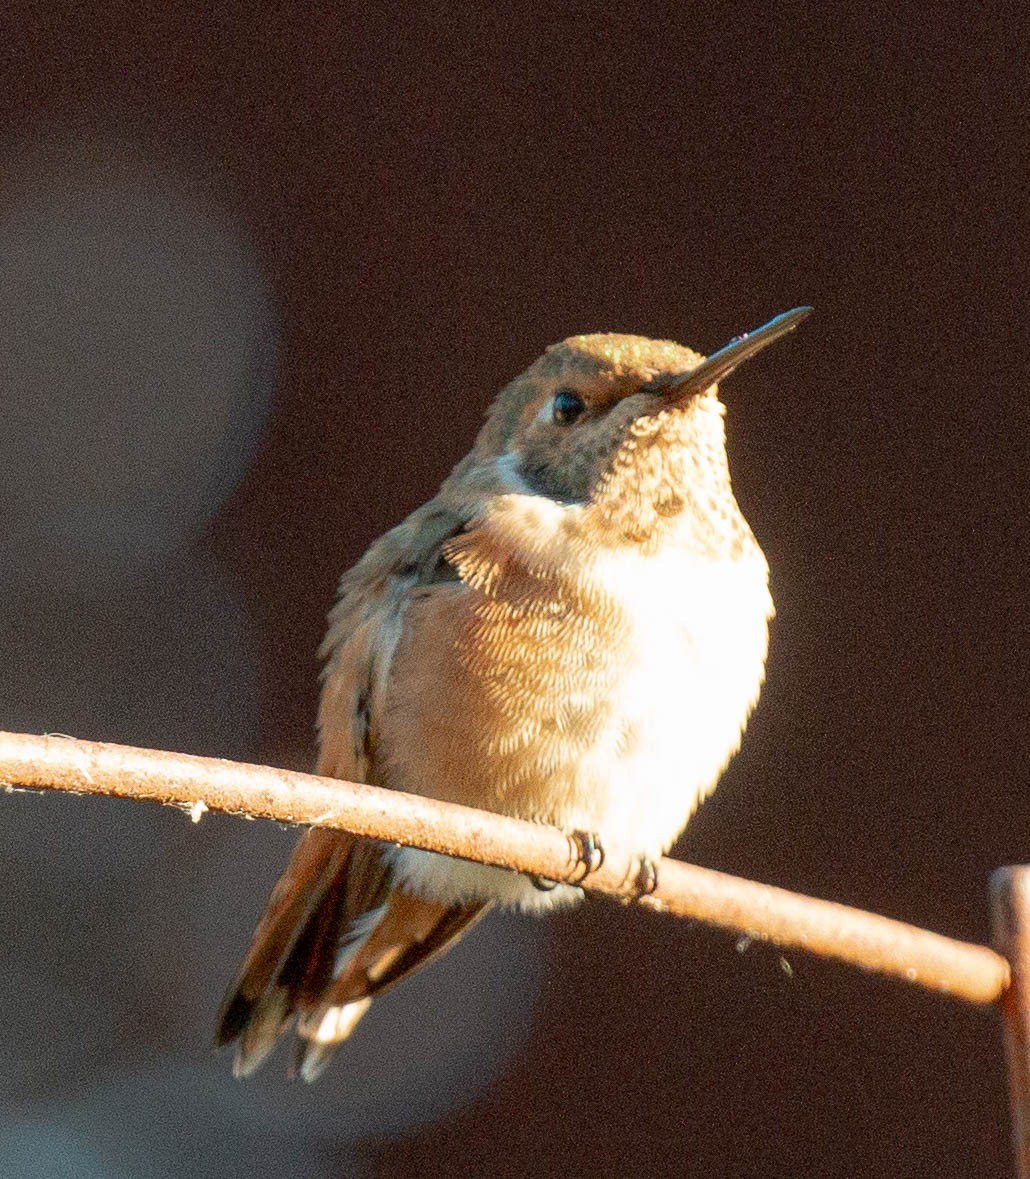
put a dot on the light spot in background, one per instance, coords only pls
(99, 1146)
(38, 1149)
(137, 359)
(137, 362)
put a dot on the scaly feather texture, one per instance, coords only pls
(573, 631)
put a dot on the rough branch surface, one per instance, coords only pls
(971, 972)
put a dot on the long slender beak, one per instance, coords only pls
(720, 364)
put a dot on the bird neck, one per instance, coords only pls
(670, 483)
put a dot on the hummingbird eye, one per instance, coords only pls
(568, 407)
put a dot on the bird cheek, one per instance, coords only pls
(545, 414)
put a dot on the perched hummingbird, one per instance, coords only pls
(572, 631)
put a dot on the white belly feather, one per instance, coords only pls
(673, 715)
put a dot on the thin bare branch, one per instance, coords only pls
(971, 972)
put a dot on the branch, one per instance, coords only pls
(1010, 914)
(971, 972)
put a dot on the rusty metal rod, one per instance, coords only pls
(1010, 915)
(970, 972)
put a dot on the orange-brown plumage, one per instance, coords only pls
(572, 631)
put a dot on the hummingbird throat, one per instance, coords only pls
(665, 479)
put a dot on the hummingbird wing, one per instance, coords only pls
(335, 932)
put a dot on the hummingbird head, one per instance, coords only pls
(630, 425)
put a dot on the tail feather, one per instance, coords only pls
(319, 858)
(333, 936)
(312, 1054)
(267, 1021)
(410, 933)
(301, 979)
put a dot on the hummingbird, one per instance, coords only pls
(573, 631)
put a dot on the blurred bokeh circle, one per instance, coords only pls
(137, 360)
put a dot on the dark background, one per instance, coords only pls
(261, 271)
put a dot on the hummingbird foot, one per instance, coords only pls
(586, 856)
(645, 880)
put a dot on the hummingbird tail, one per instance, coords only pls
(334, 935)
(284, 952)
(403, 935)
